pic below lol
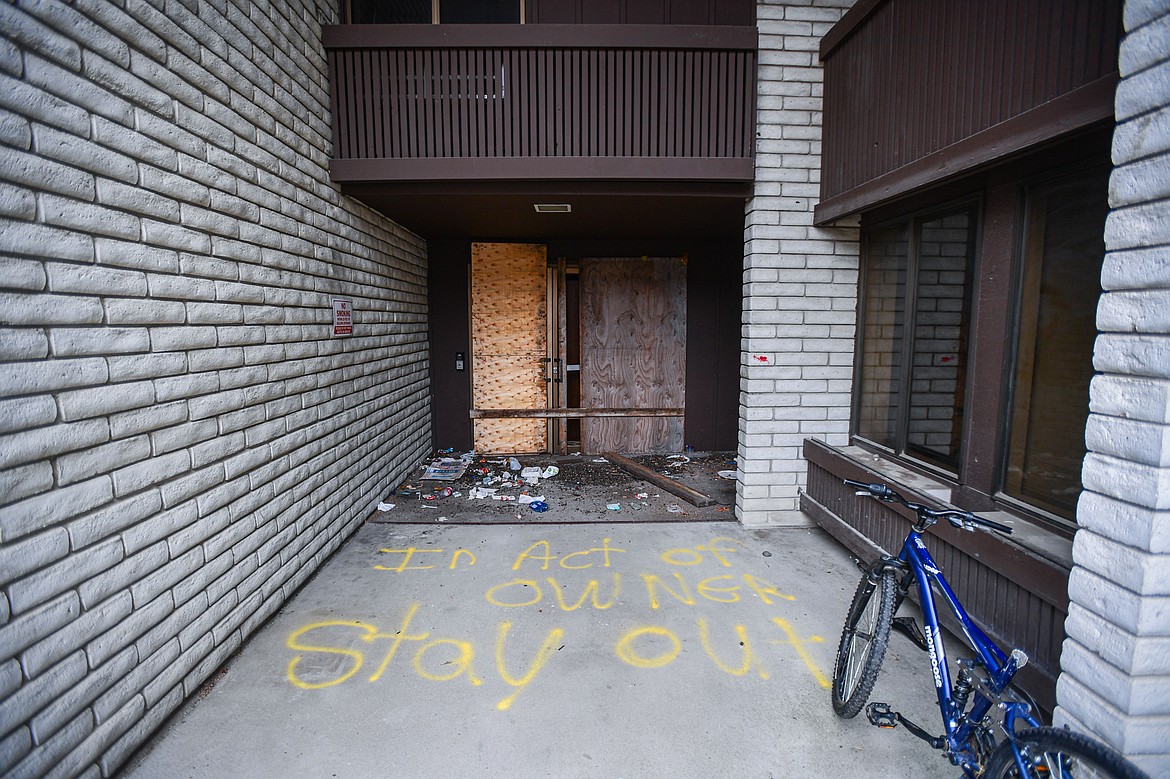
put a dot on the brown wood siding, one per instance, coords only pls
(917, 92)
(1018, 597)
(449, 295)
(587, 99)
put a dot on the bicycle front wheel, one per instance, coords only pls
(1056, 753)
(863, 643)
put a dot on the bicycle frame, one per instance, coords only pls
(915, 562)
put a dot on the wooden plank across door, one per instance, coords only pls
(509, 344)
(573, 413)
(633, 352)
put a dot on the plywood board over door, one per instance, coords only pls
(633, 351)
(509, 344)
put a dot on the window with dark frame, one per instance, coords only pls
(434, 11)
(1059, 285)
(882, 328)
(479, 11)
(916, 301)
(739, 13)
(395, 12)
(914, 344)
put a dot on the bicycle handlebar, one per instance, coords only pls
(964, 520)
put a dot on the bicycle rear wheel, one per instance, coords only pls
(863, 643)
(1056, 753)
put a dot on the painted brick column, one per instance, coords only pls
(799, 282)
(1115, 677)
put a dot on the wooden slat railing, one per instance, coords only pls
(569, 93)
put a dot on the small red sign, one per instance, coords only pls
(342, 317)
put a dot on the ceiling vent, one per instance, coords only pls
(552, 208)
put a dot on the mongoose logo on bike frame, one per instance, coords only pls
(931, 638)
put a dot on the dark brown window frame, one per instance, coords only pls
(903, 449)
(347, 8)
(1076, 173)
(978, 482)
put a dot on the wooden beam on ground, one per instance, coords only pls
(673, 486)
(572, 413)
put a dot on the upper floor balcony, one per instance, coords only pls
(664, 104)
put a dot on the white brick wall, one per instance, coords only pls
(181, 441)
(799, 282)
(1116, 660)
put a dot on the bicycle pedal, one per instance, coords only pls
(881, 715)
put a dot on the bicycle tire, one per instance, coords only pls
(1077, 755)
(863, 643)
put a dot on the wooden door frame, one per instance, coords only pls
(556, 411)
(513, 303)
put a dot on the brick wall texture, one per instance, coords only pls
(1116, 659)
(182, 439)
(799, 281)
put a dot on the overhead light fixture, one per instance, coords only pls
(552, 208)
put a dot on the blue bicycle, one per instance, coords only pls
(982, 686)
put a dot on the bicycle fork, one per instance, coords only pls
(880, 714)
(952, 702)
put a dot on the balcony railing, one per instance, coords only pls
(422, 102)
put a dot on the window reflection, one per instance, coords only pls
(1063, 251)
(913, 369)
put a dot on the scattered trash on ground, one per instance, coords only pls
(445, 469)
(504, 484)
(440, 492)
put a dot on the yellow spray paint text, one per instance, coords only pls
(333, 652)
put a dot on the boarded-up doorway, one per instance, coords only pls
(633, 351)
(509, 344)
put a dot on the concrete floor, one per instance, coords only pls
(631, 650)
